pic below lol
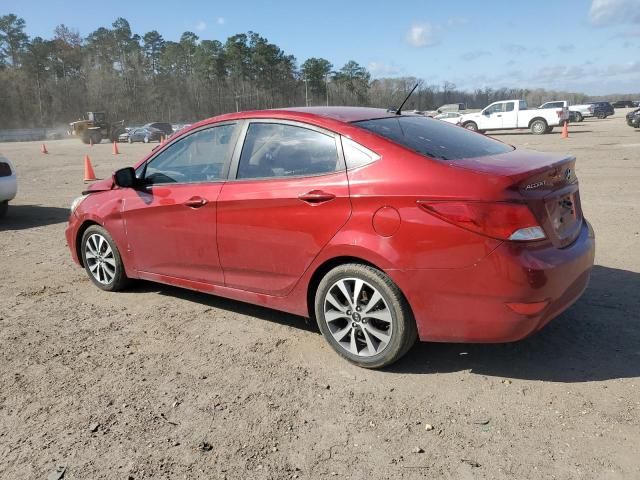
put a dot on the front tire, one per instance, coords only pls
(579, 117)
(473, 126)
(538, 127)
(364, 316)
(101, 259)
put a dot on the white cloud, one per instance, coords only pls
(221, 20)
(200, 26)
(422, 35)
(613, 12)
(382, 69)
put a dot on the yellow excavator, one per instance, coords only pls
(93, 128)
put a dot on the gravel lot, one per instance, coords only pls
(158, 382)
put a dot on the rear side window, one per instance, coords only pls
(279, 150)
(434, 138)
(356, 155)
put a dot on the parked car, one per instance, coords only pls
(452, 107)
(8, 184)
(449, 107)
(144, 134)
(449, 117)
(585, 109)
(623, 104)
(602, 110)
(123, 137)
(382, 227)
(512, 114)
(633, 118)
(574, 115)
(164, 127)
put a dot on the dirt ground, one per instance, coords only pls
(158, 382)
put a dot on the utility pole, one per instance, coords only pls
(306, 91)
(326, 87)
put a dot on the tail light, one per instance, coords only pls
(500, 220)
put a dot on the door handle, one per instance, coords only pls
(195, 202)
(498, 115)
(316, 197)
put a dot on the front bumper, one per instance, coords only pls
(8, 188)
(470, 305)
(71, 233)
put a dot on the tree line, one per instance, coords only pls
(140, 78)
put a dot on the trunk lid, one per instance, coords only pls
(547, 183)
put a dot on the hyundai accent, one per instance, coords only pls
(382, 227)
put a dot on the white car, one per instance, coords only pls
(510, 114)
(449, 117)
(576, 112)
(8, 184)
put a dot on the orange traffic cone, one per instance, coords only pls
(89, 174)
(565, 130)
(43, 149)
(115, 148)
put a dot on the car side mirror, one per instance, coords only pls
(125, 177)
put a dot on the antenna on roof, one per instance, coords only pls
(399, 111)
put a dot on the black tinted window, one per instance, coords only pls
(278, 150)
(434, 138)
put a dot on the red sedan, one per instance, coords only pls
(382, 227)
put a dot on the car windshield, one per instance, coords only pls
(434, 138)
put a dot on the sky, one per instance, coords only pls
(590, 46)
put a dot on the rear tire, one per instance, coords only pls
(538, 127)
(101, 259)
(4, 206)
(370, 335)
(473, 126)
(579, 117)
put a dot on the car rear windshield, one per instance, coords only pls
(434, 138)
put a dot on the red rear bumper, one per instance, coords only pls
(470, 304)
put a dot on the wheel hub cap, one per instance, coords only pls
(100, 259)
(358, 317)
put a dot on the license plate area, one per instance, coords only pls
(565, 216)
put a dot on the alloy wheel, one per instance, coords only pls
(100, 259)
(358, 317)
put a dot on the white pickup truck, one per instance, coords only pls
(510, 114)
(576, 112)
